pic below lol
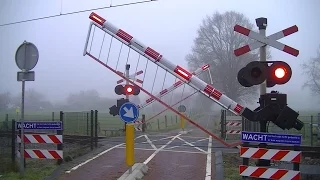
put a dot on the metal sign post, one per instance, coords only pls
(129, 113)
(182, 109)
(26, 57)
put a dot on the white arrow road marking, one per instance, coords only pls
(129, 112)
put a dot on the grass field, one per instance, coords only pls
(79, 123)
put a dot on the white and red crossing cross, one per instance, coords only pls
(266, 40)
(132, 77)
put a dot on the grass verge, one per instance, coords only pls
(32, 172)
(231, 163)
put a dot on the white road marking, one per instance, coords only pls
(168, 137)
(192, 145)
(100, 154)
(208, 165)
(158, 150)
(195, 137)
(186, 144)
(167, 150)
(150, 142)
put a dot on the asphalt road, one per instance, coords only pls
(170, 155)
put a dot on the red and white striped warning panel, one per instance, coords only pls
(132, 76)
(269, 40)
(233, 132)
(41, 138)
(138, 123)
(233, 124)
(271, 154)
(42, 154)
(268, 173)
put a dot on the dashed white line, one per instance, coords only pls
(208, 164)
(192, 145)
(100, 154)
(158, 150)
(150, 142)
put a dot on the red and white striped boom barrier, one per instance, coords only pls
(269, 40)
(176, 70)
(270, 154)
(171, 88)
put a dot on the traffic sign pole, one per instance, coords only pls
(26, 57)
(262, 25)
(182, 122)
(130, 145)
(22, 129)
(127, 83)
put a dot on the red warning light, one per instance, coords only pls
(280, 73)
(129, 89)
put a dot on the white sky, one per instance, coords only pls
(169, 26)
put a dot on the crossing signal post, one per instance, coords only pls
(273, 106)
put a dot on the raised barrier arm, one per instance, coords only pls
(176, 70)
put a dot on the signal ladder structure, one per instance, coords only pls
(176, 70)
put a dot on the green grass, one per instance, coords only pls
(231, 173)
(33, 171)
(30, 174)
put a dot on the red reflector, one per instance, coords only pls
(183, 73)
(96, 18)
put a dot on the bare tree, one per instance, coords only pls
(312, 69)
(5, 100)
(214, 45)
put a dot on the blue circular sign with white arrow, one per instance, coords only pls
(129, 112)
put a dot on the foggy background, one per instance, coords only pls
(168, 26)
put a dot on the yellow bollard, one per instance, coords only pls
(182, 122)
(130, 144)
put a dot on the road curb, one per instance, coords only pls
(219, 166)
(138, 171)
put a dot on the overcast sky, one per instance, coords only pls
(169, 26)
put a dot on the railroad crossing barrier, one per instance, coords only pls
(233, 125)
(42, 139)
(270, 154)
